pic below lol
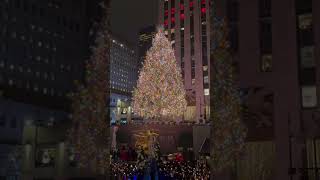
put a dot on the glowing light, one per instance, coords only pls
(160, 91)
(203, 10)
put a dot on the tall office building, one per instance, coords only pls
(146, 36)
(123, 78)
(186, 25)
(43, 48)
(276, 47)
(123, 66)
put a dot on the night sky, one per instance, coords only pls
(128, 16)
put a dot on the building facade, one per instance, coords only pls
(276, 49)
(44, 45)
(123, 78)
(186, 24)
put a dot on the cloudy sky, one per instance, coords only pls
(128, 16)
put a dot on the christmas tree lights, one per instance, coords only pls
(160, 92)
(228, 133)
(90, 132)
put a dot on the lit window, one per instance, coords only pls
(266, 63)
(206, 92)
(193, 81)
(206, 79)
(205, 68)
(305, 21)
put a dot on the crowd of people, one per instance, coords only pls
(182, 165)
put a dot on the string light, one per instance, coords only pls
(90, 131)
(160, 91)
(228, 131)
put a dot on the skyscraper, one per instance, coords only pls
(186, 25)
(123, 78)
(145, 42)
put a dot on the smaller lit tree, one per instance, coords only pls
(90, 131)
(228, 132)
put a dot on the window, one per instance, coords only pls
(205, 68)
(206, 79)
(307, 57)
(266, 62)
(309, 96)
(305, 29)
(305, 43)
(206, 92)
(305, 21)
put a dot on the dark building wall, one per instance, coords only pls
(44, 45)
(43, 48)
(276, 54)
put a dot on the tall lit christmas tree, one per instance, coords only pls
(90, 132)
(228, 133)
(160, 92)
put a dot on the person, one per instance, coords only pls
(179, 157)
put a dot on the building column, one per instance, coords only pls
(27, 162)
(287, 91)
(60, 159)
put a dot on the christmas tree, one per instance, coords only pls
(228, 132)
(160, 92)
(89, 134)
